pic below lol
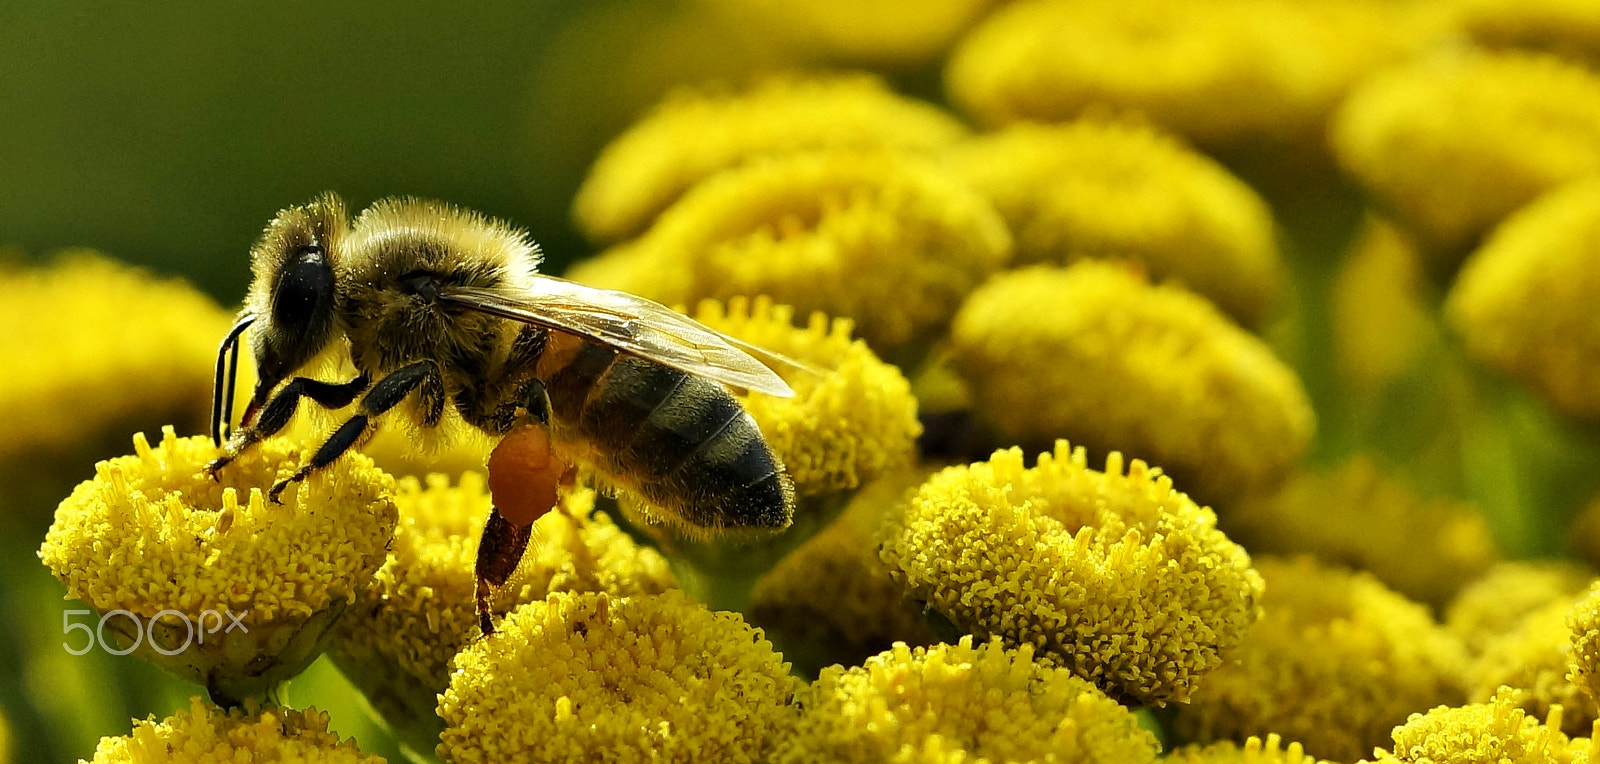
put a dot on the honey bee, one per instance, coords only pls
(439, 307)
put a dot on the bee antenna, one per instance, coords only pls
(222, 390)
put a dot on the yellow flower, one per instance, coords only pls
(1122, 190)
(1524, 303)
(205, 734)
(958, 703)
(1451, 144)
(1095, 354)
(1253, 751)
(1116, 576)
(1532, 658)
(1336, 661)
(1221, 73)
(591, 677)
(890, 241)
(832, 600)
(1491, 732)
(693, 135)
(898, 34)
(1424, 548)
(1383, 319)
(396, 642)
(232, 594)
(1584, 621)
(1569, 28)
(1495, 603)
(93, 346)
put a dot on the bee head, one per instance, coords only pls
(292, 296)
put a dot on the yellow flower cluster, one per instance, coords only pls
(1584, 620)
(1491, 732)
(1533, 659)
(1125, 191)
(886, 239)
(832, 598)
(693, 135)
(1496, 602)
(1524, 303)
(1382, 318)
(94, 346)
(153, 535)
(948, 704)
(1335, 662)
(1114, 575)
(1252, 751)
(208, 735)
(593, 677)
(1096, 354)
(1451, 144)
(1219, 72)
(885, 33)
(398, 638)
(1568, 28)
(1424, 548)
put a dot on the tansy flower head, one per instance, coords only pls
(94, 346)
(1114, 575)
(832, 600)
(1533, 658)
(693, 135)
(1383, 319)
(897, 34)
(1584, 620)
(1568, 28)
(1252, 751)
(1496, 602)
(590, 676)
(890, 241)
(1335, 662)
(205, 734)
(182, 552)
(1451, 144)
(1495, 731)
(1094, 353)
(957, 703)
(397, 640)
(1424, 548)
(1125, 191)
(1524, 303)
(1221, 73)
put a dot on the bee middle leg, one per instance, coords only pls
(280, 409)
(385, 395)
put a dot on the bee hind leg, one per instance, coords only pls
(525, 478)
(385, 395)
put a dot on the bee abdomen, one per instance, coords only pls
(686, 445)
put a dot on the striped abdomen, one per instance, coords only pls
(681, 442)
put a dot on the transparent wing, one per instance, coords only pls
(630, 324)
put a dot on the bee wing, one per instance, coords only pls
(630, 324)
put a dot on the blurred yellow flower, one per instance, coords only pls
(1252, 751)
(1524, 303)
(832, 600)
(1569, 28)
(208, 735)
(1383, 317)
(234, 595)
(1222, 73)
(1495, 603)
(591, 677)
(1532, 658)
(1491, 732)
(1098, 189)
(1094, 353)
(95, 347)
(1336, 661)
(894, 34)
(948, 704)
(1584, 621)
(890, 241)
(396, 642)
(693, 135)
(1114, 575)
(1424, 548)
(1452, 143)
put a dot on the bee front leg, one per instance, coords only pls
(525, 478)
(385, 395)
(280, 409)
